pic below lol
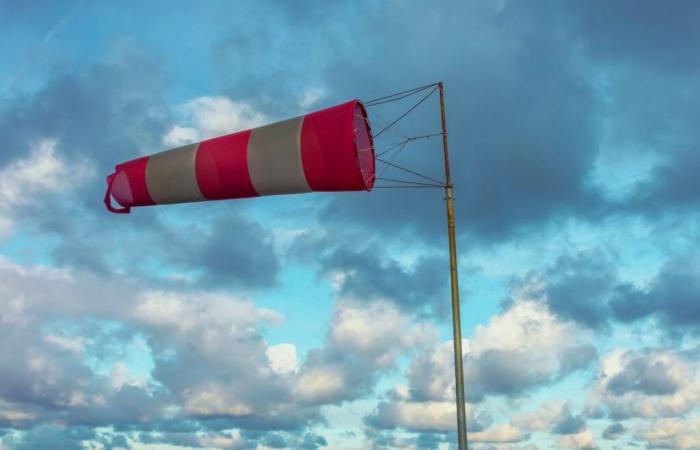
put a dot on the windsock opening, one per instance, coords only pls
(364, 145)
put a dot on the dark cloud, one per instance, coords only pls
(530, 101)
(577, 288)
(52, 437)
(106, 110)
(510, 372)
(634, 32)
(570, 425)
(646, 376)
(522, 145)
(586, 288)
(369, 272)
(614, 430)
(672, 298)
(235, 252)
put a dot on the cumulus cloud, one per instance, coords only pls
(614, 430)
(555, 417)
(522, 348)
(646, 383)
(505, 433)
(357, 350)
(43, 171)
(671, 297)
(675, 433)
(196, 340)
(209, 116)
(580, 441)
(363, 271)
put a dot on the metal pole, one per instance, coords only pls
(456, 321)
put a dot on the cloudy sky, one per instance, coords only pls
(322, 320)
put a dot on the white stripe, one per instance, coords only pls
(274, 158)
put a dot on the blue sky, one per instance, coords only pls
(322, 320)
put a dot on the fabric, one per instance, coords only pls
(328, 150)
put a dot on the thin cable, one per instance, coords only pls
(414, 90)
(394, 156)
(410, 171)
(396, 98)
(405, 114)
(383, 152)
(407, 187)
(386, 122)
(416, 183)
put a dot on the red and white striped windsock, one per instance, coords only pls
(327, 150)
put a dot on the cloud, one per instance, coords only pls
(586, 287)
(421, 416)
(553, 416)
(210, 116)
(614, 431)
(580, 441)
(69, 339)
(537, 133)
(233, 252)
(364, 271)
(646, 383)
(44, 171)
(499, 433)
(522, 348)
(671, 298)
(578, 286)
(357, 351)
(677, 434)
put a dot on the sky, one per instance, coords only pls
(323, 320)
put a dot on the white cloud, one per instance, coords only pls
(526, 327)
(283, 358)
(211, 116)
(178, 135)
(208, 352)
(311, 96)
(502, 433)
(544, 418)
(364, 340)
(677, 434)
(321, 384)
(378, 329)
(645, 383)
(42, 171)
(416, 416)
(214, 399)
(521, 348)
(580, 441)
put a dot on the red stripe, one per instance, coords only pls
(328, 150)
(221, 166)
(129, 187)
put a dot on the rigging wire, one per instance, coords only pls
(398, 147)
(411, 171)
(405, 114)
(408, 187)
(393, 157)
(408, 92)
(413, 183)
(386, 122)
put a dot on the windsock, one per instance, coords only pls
(329, 150)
